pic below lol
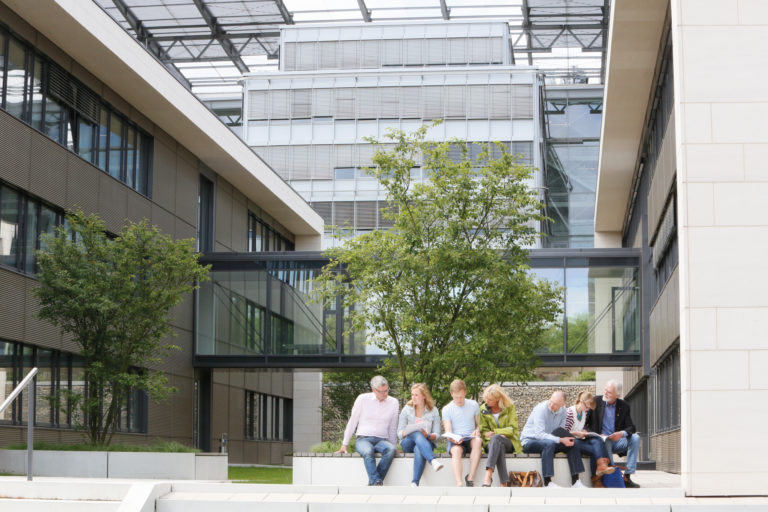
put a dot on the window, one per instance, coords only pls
(42, 94)
(268, 417)
(58, 372)
(263, 238)
(205, 215)
(23, 219)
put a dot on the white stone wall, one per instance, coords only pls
(721, 72)
(307, 417)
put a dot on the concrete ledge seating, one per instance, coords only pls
(347, 469)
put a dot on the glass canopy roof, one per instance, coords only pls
(210, 44)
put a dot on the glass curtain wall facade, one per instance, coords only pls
(338, 86)
(572, 119)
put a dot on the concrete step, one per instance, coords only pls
(53, 505)
(63, 490)
(240, 498)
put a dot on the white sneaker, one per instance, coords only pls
(553, 485)
(414, 484)
(436, 465)
(578, 485)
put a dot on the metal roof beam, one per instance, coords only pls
(364, 11)
(445, 10)
(144, 36)
(206, 37)
(287, 16)
(220, 36)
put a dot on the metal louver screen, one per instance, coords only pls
(435, 51)
(327, 54)
(366, 102)
(522, 102)
(324, 210)
(348, 54)
(478, 101)
(478, 50)
(413, 52)
(257, 105)
(365, 214)
(410, 107)
(370, 54)
(321, 163)
(344, 214)
(433, 102)
(500, 102)
(392, 55)
(389, 102)
(322, 104)
(62, 87)
(289, 59)
(384, 223)
(302, 103)
(454, 101)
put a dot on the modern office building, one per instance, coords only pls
(682, 178)
(89, 118)
(339, 85)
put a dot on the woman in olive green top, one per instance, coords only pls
(498, 427)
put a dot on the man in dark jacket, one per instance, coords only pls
(611, 418)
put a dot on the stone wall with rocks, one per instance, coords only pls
(526, 396)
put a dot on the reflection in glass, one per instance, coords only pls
(30, 241)
(36, 118)
(17, 69)
(45, 388)
(602, 310)
(552, 341)
(9, 226)
(6, 378)
(115, 145)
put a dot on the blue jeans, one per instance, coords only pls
(630, 445)
(367, 447)
(595, 448)
(547, 449)
(423, 452)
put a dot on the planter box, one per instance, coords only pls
(154, 465)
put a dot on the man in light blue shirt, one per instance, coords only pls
(537, 437)
(460, 418)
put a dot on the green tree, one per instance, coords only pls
(113, 296)
(446, 291)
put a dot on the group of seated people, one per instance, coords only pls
(600, 426)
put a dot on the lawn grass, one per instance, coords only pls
(260, 475)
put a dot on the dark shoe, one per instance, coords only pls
(629, 483)
(378, 483)
(486, 485)
(604, 467)
(468, 482)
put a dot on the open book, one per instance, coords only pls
(413, 427)
(595, 434)
(455, 438)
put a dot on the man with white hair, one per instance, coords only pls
(374, 421)
(611, 418)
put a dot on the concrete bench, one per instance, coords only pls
(347, 469)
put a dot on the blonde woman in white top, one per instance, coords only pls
(420, 411)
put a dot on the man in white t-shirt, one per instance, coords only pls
(460, 418)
